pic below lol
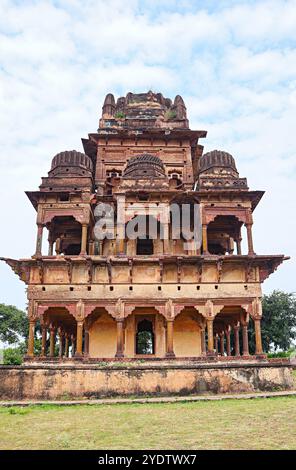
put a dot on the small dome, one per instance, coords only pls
(144, 166)
(71, 161)
(218, 159)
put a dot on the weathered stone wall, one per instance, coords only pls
(50, 382)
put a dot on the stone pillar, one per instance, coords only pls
(61, 337)
(86, 342)
(205, 239)
(258, 339)
(166, 238)
(50, 247)
(228, 347)
(78, 352)
(58, 246)
(66, 353)
(170, 338)
(30, 352)
(203, 341)
(245, 339)
(83, 239)
(222, 343)
(236, 340)
(50, 243)
(73, 345)
(120, 225)
(43, 340)
(39, 240)
(230, 246)
(250, 239)
(120, 339)
(216, 343)
(91, 244)
(239, 246)
(52, 341)
(210, 336)
(121, 239)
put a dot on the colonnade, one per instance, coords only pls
(212, 342)
(87, 246)
(66, 341)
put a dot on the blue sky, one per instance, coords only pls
(234, 62)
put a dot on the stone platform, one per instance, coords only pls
(107, 379)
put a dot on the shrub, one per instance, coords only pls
(277, 354)
(13, 356)
(119, 115)
(289, 353)
(170, 115)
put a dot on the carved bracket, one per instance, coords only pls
(209, 310)
(210, 214)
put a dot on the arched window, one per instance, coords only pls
(145, 337)
(175, 179)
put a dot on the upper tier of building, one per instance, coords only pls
(143, 110)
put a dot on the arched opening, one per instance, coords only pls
(145, 337)
(144, 232)
(222, 232)
(65, 233)
(175, 180)
(187, 333)
(102, 334)
(229, 335)
(60, 331)
(185, 224)
(113, 178)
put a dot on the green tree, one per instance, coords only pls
(13, 356)
(278, 325)
(13, 324)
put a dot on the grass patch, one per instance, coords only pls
(231, 424)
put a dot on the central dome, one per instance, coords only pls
(144, 166)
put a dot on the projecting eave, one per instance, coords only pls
(34, 196)
(90, 148)
(19, 267)
(254, 196)
(166, 134)
(267, 264)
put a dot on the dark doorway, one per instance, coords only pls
(145, 337)
(72, 250)
(144, 246)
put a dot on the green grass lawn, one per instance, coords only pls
(231, 424)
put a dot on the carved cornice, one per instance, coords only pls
(266, 265)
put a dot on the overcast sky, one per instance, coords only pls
(234, 63)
